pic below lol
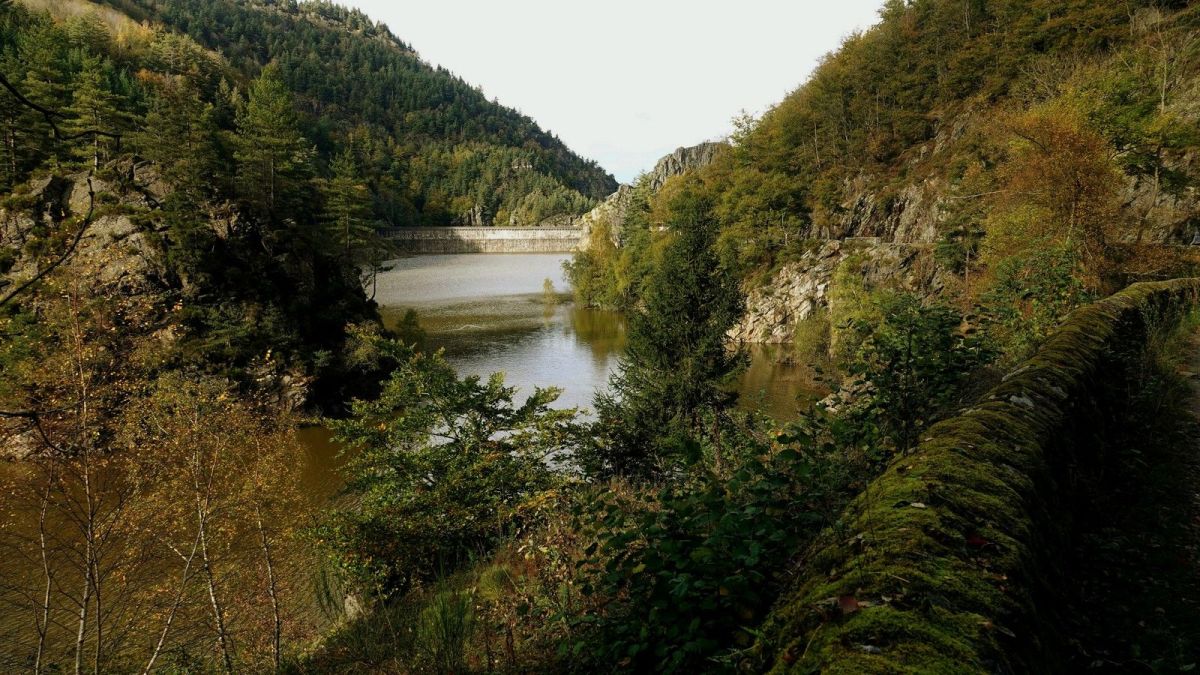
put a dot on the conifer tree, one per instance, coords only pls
(94, 106)
(41, 52)
(180, 139)
(348, 209)
(677, 369)
(272, 155)
(179, 135)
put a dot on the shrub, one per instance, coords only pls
(444, 629)
(441, 469)
(690, 568)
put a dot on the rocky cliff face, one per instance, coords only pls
(915, 209)
(911, 215)
(112, 250)
(613, 210)
(681, 161)
(118, 263)
(801, 288)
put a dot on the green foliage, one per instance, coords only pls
(913, 364)
(612, 271)
(676, 365)
(696, 565)
(850, 305)
(433, 150)
(1031, 295)
(440, 468)
(443, 630)
(409, 330)
(255, 288)
(94, 106)
(812, 337)
(988, 496)
(273, 157)
(348, 212)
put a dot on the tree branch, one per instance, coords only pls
(50, 115)
(87, 221)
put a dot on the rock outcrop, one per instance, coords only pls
(614, 209)
(803, 287)
(611, 212)
(912, 215)
(681, 161)
(113, 250)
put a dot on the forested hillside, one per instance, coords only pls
(1023, 146)
(259, 157)
(433, 148)
(192, 192)
(186, 228)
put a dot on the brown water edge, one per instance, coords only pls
(305, 583)
(578, 349)
(489, 314)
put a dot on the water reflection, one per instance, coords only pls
(495, 313)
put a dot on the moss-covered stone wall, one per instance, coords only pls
(947, 563)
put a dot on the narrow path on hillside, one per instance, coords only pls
(1135, 606)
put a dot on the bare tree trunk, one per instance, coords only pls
(272, 587)
(43, 622)
(203, 501)
(218, 612)
(183, 582)
(89, 515)
(96, 659)
(84, 602)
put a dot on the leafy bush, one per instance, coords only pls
(441, 468)
(1031, 295)
(912, 364)
(692, 567)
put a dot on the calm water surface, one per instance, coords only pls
(492, 313)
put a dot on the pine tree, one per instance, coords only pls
(348, 210)
(272, 155)
(677, 370)
(180, 139)
(179, 136)
(41, 51)
(94, 107)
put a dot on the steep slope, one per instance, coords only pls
(900, 133)
(441, 152)
(983, 151)
(268, 151)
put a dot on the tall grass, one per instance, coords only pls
(444, 630)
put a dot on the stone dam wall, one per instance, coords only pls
(485, 239)
(955, 555)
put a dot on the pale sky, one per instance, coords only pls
(624, 82)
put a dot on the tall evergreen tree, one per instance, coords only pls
(93, 107)
(180, 138)
(272, 155)
(42, 53)
(677, 371)
(347, 213)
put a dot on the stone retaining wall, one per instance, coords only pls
(948, 562)
(485, 239)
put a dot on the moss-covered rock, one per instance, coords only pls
(947, 562)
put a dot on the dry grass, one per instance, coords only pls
(125, 31)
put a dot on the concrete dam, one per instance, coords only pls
(485, 239)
